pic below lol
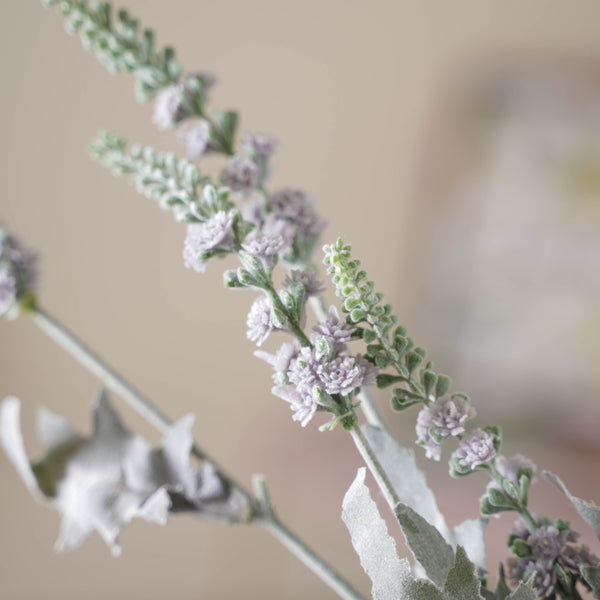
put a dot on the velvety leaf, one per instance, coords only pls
(524, 591)
(462, 582)
(374, 546)
(426, 543)
(588, 511)
(592, 577)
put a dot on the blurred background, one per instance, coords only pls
(455, 145)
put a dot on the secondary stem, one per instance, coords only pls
(265, 519)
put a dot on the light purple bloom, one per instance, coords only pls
(296, 207)
(274, 238)
(303, 370)
(17, 271)
(447, 417)
(195, 139)
(259, 321)
(344, 374)
(335, 330)
(202, 237)
(303, 405)
(476, 449)
(549, 545)
(258, 144)
(282, 359)
(168, 107)
(509, 467)
(241, 175)
(312, 286)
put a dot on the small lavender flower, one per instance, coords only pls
(549, 545)
(202, 237)
(271, 240)
(477, 449)
(334, 329)
(296, 207)
(195, 139)
(241, 175)
(445, 417)
(303, 405)
(312, 286)
(303, 370)
(168, 107)
(17, 271)
(259, 321)
(282, 359)
(344, 374)
(509, 467)
(258, 145)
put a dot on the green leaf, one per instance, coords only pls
(413, 360)
(426, 544)
(385, 380)
(524, 591)
(588, 511)
(462, 582)
(429, 380)
(442, 385)
(592, 578)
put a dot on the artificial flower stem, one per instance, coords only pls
(266, 519)
(301, 551)
(117, 384)
(366, 402)
(375, 467)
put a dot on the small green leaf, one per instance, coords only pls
(384, 380)
(413, 360)
(429, 380)
(442, 385)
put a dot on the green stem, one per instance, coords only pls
(375, 467)
(258, 516)
(292, 324)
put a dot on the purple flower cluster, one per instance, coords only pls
(441, 419)
(548, 546)
(305, 373)
(269, 241)
(195, 138)
(260, 320)
(297, 208)
(258, 145)
(17, 271)
(214, 234)
(476, 449)
(241, 174)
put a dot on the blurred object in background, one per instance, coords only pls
(505, 245)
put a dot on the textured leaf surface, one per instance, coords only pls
(592, 576)
(462, 582)
(374, 546)
(411, 487)
(588, 511)
(426, 543)
(524, 591)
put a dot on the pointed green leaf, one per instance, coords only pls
(592, 577)
(588, 511)
(462, 582)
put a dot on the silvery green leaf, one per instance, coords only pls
(469, 535)
(592, 577)
(462, 582)
(406, 478)
(370, 538)
(588, 511)
(426, 543)
(411, 487)
(524, 591)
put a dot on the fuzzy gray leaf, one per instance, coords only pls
(462, 582)
(588, 511)
(374, 546)
(426, 543)
(592, 576)
(406, 478)
(524, 591)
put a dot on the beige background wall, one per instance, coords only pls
(349, 89)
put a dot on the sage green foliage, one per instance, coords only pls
(120, 45)
(426, 543)
(591, 575)
(387, 346)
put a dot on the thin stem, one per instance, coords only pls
(264, 518)
(375, 467)
(301, 551)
